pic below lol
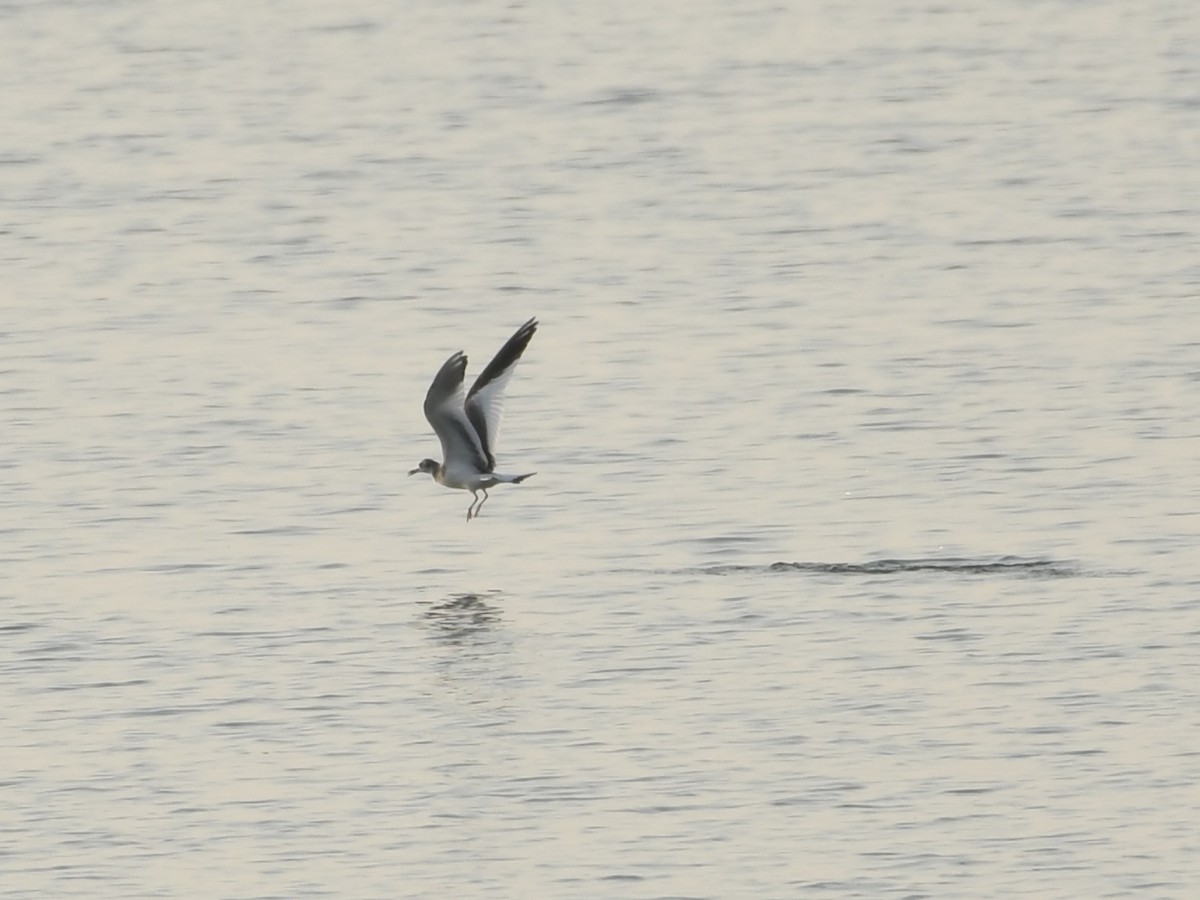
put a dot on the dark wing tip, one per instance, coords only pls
(453, 370)
(524, 334)
(520, 339)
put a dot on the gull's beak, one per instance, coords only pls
(414, 471)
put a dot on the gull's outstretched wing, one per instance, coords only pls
(444, 410)
(485, 399)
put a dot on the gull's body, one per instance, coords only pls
(467, 424)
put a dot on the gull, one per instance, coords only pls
(467, 426)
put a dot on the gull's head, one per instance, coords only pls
(425, 465)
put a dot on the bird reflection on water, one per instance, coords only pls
(462, 617)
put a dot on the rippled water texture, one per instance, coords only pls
(861, 557)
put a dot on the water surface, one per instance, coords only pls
(860, 560)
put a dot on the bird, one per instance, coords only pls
(467, 425)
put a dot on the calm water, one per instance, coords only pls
(861, 559)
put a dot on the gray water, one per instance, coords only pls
(861, 556)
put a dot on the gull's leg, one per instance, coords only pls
(481, 502)
(470, 509)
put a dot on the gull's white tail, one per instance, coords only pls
(512, 479)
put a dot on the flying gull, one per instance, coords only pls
(467, 426)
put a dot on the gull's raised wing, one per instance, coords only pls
(444, 410)
(485, 400)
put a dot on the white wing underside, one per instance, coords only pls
(485, 408)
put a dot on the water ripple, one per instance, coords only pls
(1004, 565)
